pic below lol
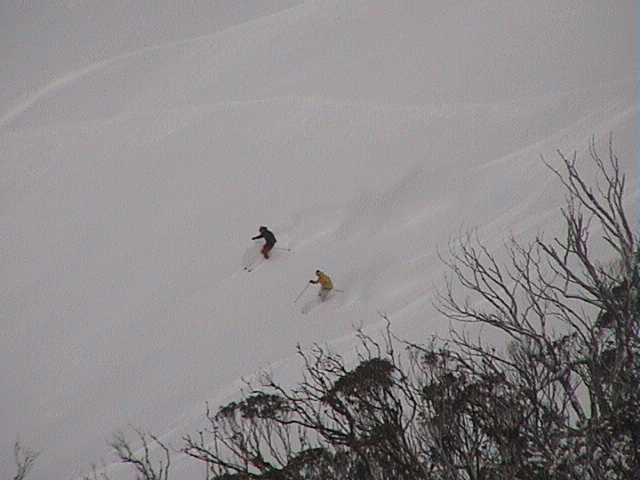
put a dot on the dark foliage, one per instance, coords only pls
(560, 402)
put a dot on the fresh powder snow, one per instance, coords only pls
(143, 143)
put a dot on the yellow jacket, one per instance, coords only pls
(323, 280)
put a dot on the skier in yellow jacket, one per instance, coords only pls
(326, 285)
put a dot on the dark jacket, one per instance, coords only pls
(269, 237)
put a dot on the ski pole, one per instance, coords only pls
(283, 248)
(301, 293)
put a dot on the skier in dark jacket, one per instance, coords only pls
(269, 240)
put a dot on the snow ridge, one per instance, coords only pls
(365, 134)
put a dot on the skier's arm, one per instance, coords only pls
(313, 281)
(257, 237)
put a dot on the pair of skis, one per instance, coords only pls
(308, 285)
(314, 303)
(259, 260)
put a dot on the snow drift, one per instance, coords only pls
(365, 133)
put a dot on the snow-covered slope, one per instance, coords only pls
(43, 41)
(365, 133)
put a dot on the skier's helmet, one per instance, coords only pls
(262, 228)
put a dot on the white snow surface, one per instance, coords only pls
(143, 142)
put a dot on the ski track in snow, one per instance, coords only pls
(399, 207)
(127, 230)
(76, 75)
(396, 208)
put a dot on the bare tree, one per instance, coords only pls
(559, 401)
(25, 459)
(366, 410)
(572, 369)
(255, 438)
(142, 460)
(96, 473)
(340, 422)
